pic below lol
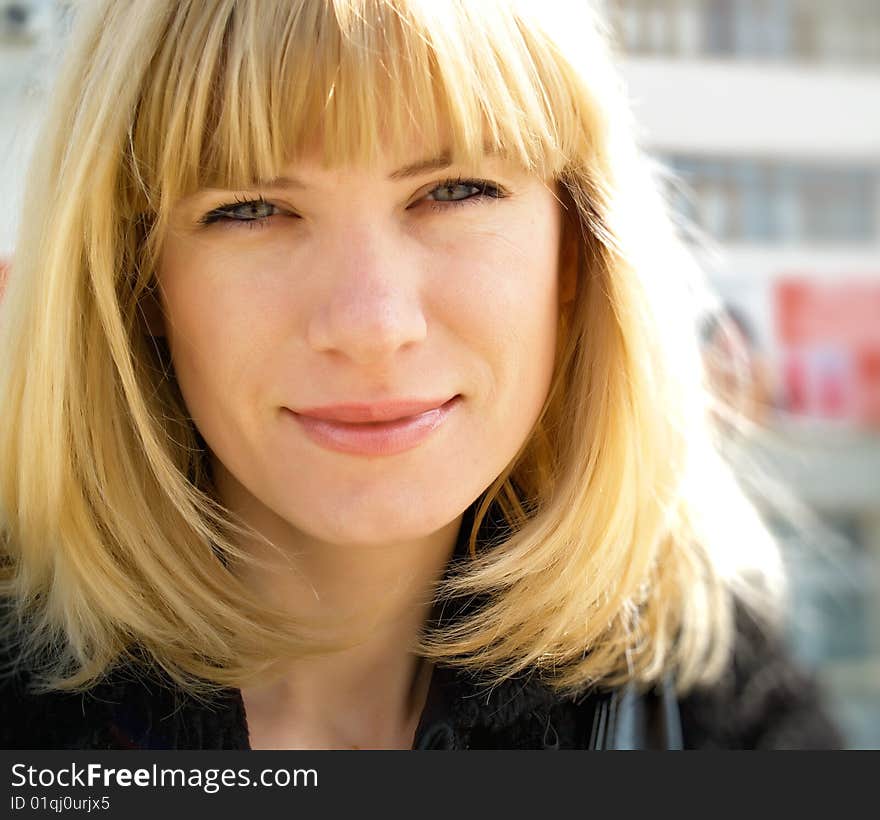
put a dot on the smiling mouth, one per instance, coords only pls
(374, 438)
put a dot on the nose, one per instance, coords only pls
(371, 307)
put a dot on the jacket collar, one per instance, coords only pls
(459, 702)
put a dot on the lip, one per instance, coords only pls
(379, 411)
(374, 429)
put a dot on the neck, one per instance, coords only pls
(376, 598)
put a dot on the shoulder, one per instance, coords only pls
(764, 700)
(125, 711)
(30, 719)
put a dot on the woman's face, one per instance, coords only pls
(364, 287)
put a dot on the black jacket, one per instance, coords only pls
(765, 701)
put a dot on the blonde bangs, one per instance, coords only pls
(235, 94)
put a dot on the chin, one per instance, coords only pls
(377, 526)
(368, 535)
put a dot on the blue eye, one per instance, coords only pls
(453, 192)
(249, 211)
(449, 193)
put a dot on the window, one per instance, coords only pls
(752, 200)
(814, 30)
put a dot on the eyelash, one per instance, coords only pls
(221, 214)
(485, 190)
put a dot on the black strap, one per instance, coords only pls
(627, 719)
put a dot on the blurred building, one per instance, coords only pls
(767, 115)
(31, 34)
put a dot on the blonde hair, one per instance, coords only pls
(627, 537)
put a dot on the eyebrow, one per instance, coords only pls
(423, 166)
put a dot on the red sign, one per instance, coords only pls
(830, 336)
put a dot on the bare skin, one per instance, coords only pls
(372, 695)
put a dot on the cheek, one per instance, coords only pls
(506, 312)
(505, 296)
(218, 322)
